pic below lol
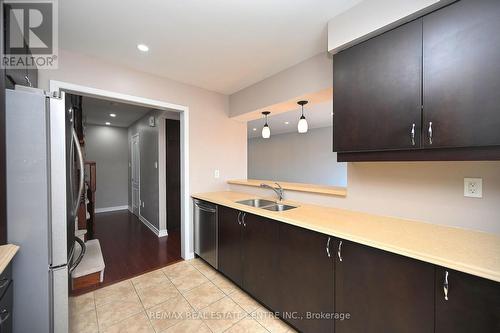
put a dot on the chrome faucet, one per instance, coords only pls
(279, 190)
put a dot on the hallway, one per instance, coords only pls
(129, 248)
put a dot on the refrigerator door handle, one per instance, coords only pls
(82, 171)
(80, 257)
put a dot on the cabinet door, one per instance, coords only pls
(15, 76)
(377, 92)
(382, 292)
(6, 306)
(473, 303)
(229, 234)
(260, 239)
(462, 75)
(306, 274)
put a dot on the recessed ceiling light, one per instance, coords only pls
(287, 122)
(108, 123)
(143, 47)
(254, 129)
(112, 115)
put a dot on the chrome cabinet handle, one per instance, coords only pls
(339, 251)
(328, 247)
(3, 318)
(243, 219)
(430, 132)
(28, 81)
(4, 282)
(446, 286)
(239, 219)
(413, 134)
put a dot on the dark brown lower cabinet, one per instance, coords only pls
(247, 253)
(320, 284)
(473, 303)
(306, 279)
(382, 292)
(229, 252)
(260, 239)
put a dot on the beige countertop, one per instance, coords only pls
(7, 252)
(468, 251)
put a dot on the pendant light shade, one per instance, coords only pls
(302, 127)
(266, 131)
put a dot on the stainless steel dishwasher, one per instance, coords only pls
(205, 231)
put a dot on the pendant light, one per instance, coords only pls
(266, 131)
(302, 127)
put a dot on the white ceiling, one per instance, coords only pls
(222, 45)
(96, 112)
(317, 115)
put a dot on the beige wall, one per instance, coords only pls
(215, 141)
(342, 32)
(309, 76)
(425, 191)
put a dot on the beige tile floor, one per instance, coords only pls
(188, 296)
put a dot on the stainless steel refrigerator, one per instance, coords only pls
(42, 197)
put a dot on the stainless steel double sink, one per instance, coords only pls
(266, 204)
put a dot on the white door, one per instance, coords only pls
(135, 174)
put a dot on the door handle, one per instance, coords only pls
(339, 251)
(204, 208)
(430, 132)
(328, 247)
(446, 286)
(239, 218)
(82, 170)
(412, 134)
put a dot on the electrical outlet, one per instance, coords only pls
(216, 173)
(473, 187)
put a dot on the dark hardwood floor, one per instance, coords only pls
(130, 249)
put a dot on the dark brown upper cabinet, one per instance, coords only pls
(377, 92)
(471, 304)
(382, 292)
(462, 75)
(440, 72)
(24, 76)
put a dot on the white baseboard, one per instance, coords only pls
(110, 209)
(159, 233)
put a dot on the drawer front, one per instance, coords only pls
(6, 310)
(5, 278)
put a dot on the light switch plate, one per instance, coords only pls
(473, 187)
(216, 173)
